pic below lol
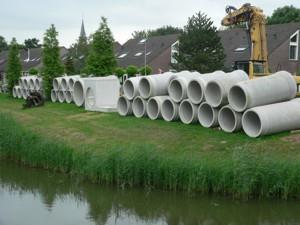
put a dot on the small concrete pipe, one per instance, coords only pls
(32, 82)
(271, 119)
(61, 96)
(169, 110)
(57, 83)
(124, 106)
(278, 87)
(26, 82)
(196, 87)
(21, 83)
(139, 106)
(78, 93)
(25, 93)
(154, 107)
(64, 83)
(53, 95)
(14, 92)
(216, 91)
(188, 112)
(38, 83)
(68, 96)
(131, 87)
(207, 115)
(19, 92)
(72, 81)
(177, 88)
(229, 120)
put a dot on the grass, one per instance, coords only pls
(128, 152)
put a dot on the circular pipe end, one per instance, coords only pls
(78, 94)
(252, 124)
(139, 107)
(214, 94)
(228, 120)
(187, 112)
(207, 115)
(124, 106)
(237, 98)
(145, 88)
(153, 109)
(169, 110)
(195, 92)
(129, 89)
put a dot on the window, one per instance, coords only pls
(294, 46)
(148, 53)
(174, 51)
(241, 49)
(138, 54)
(122, 55)
(142, 41)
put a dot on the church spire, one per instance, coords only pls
(82, 31)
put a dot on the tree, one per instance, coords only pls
(52, 66)
(32, 43)
(164, 30)
(120, 71)
(145, 70)
(286, 14)
(33, 71)
(14, 66)
(69, 65)
(132, 70)
(79, 52)
(3, 44)
(200, 47)
(101, 59)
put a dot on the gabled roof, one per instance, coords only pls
(134, 49)
(233, 39)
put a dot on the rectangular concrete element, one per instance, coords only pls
(102, 94)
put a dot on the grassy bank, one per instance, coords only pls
(152, 154)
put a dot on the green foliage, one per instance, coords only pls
(33, 71)
(132, 70)
(52, 66)
(14, 67)
(69, 66)
(120, 71)
(32, 43)
(79, 51)
(3, 44)
(200, 47)
(286, 14)
(164, 30)
(145, 70)
(101, 59)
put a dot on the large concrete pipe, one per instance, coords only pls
(14, 92)
(139, 106)
(169, 110)
(271, 119)
(216, 91)
(68, 96)
(278, 87)
(131, 87)
(72, 80)
(188, 112)
(154, 107)
(124, 106)
(57, 83)
(196, 87)
(53, 95)
(229, 120)
(207, 115)
(177, 88)
(155, 85)
(78, 93)
(61, 96)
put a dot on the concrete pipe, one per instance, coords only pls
(278, 87)
(25, 93)
(64, 83)
(38, 83)
(32, 82)
(68, 96)
(26, 83)
(229, 120)
(188, 112)
(14, 92)
(154, 107)
(207, 115)
(19, 92)
(78, 93)
(177, 88)
(72, 80)
(124, 106)
(139, 107)
(21, 83)
(131, 87)
(53, 95)
(169, 110)
(57, 83)
(216, 91)
(271, 119)
(61, 96)
(196, 87)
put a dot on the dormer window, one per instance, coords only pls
(174, 51)
(294, 46)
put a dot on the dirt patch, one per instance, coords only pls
(295, 138)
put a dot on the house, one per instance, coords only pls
(283, 42)
(157, 52)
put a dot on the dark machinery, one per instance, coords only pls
(34, 99)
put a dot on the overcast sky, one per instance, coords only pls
(30, 18)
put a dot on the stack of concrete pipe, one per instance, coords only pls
(63, 88)
(230, 101)
(26, 85)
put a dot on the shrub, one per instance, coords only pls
(132, 70)
(145, 70)
(33, 71)
(120, 71)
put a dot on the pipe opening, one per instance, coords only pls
(144, 88)
(227, 119)
(61, 96)
(176, 90)
(78, 94)
(55, 84)
(195, 92)
(186, 112)
(138, 107)
(237, 98)
(128, 89)
(123, 106)
(213, 94)
(64, 84)
(68, 96)
(206, 115)
(152, 109)
(90, 97)
(252, 124)
(168, 110)
(37, 84)
(71, 83)
(53, 96)
(31, 83)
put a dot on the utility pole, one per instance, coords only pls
(145, 62)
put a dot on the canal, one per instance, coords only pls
(37, 197)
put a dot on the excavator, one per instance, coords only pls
(255, 21)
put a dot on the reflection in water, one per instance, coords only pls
(34, 197)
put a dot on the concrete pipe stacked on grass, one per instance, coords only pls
(169, 110)
(124, 106)
(207, 115)
(27, 84)
(154, 105)
(131, 87)
(68, 96)
(188, 112)
(53, 96)
(63, 89)
(229, 120)
(139, 106)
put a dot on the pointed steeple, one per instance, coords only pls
(82, 31)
